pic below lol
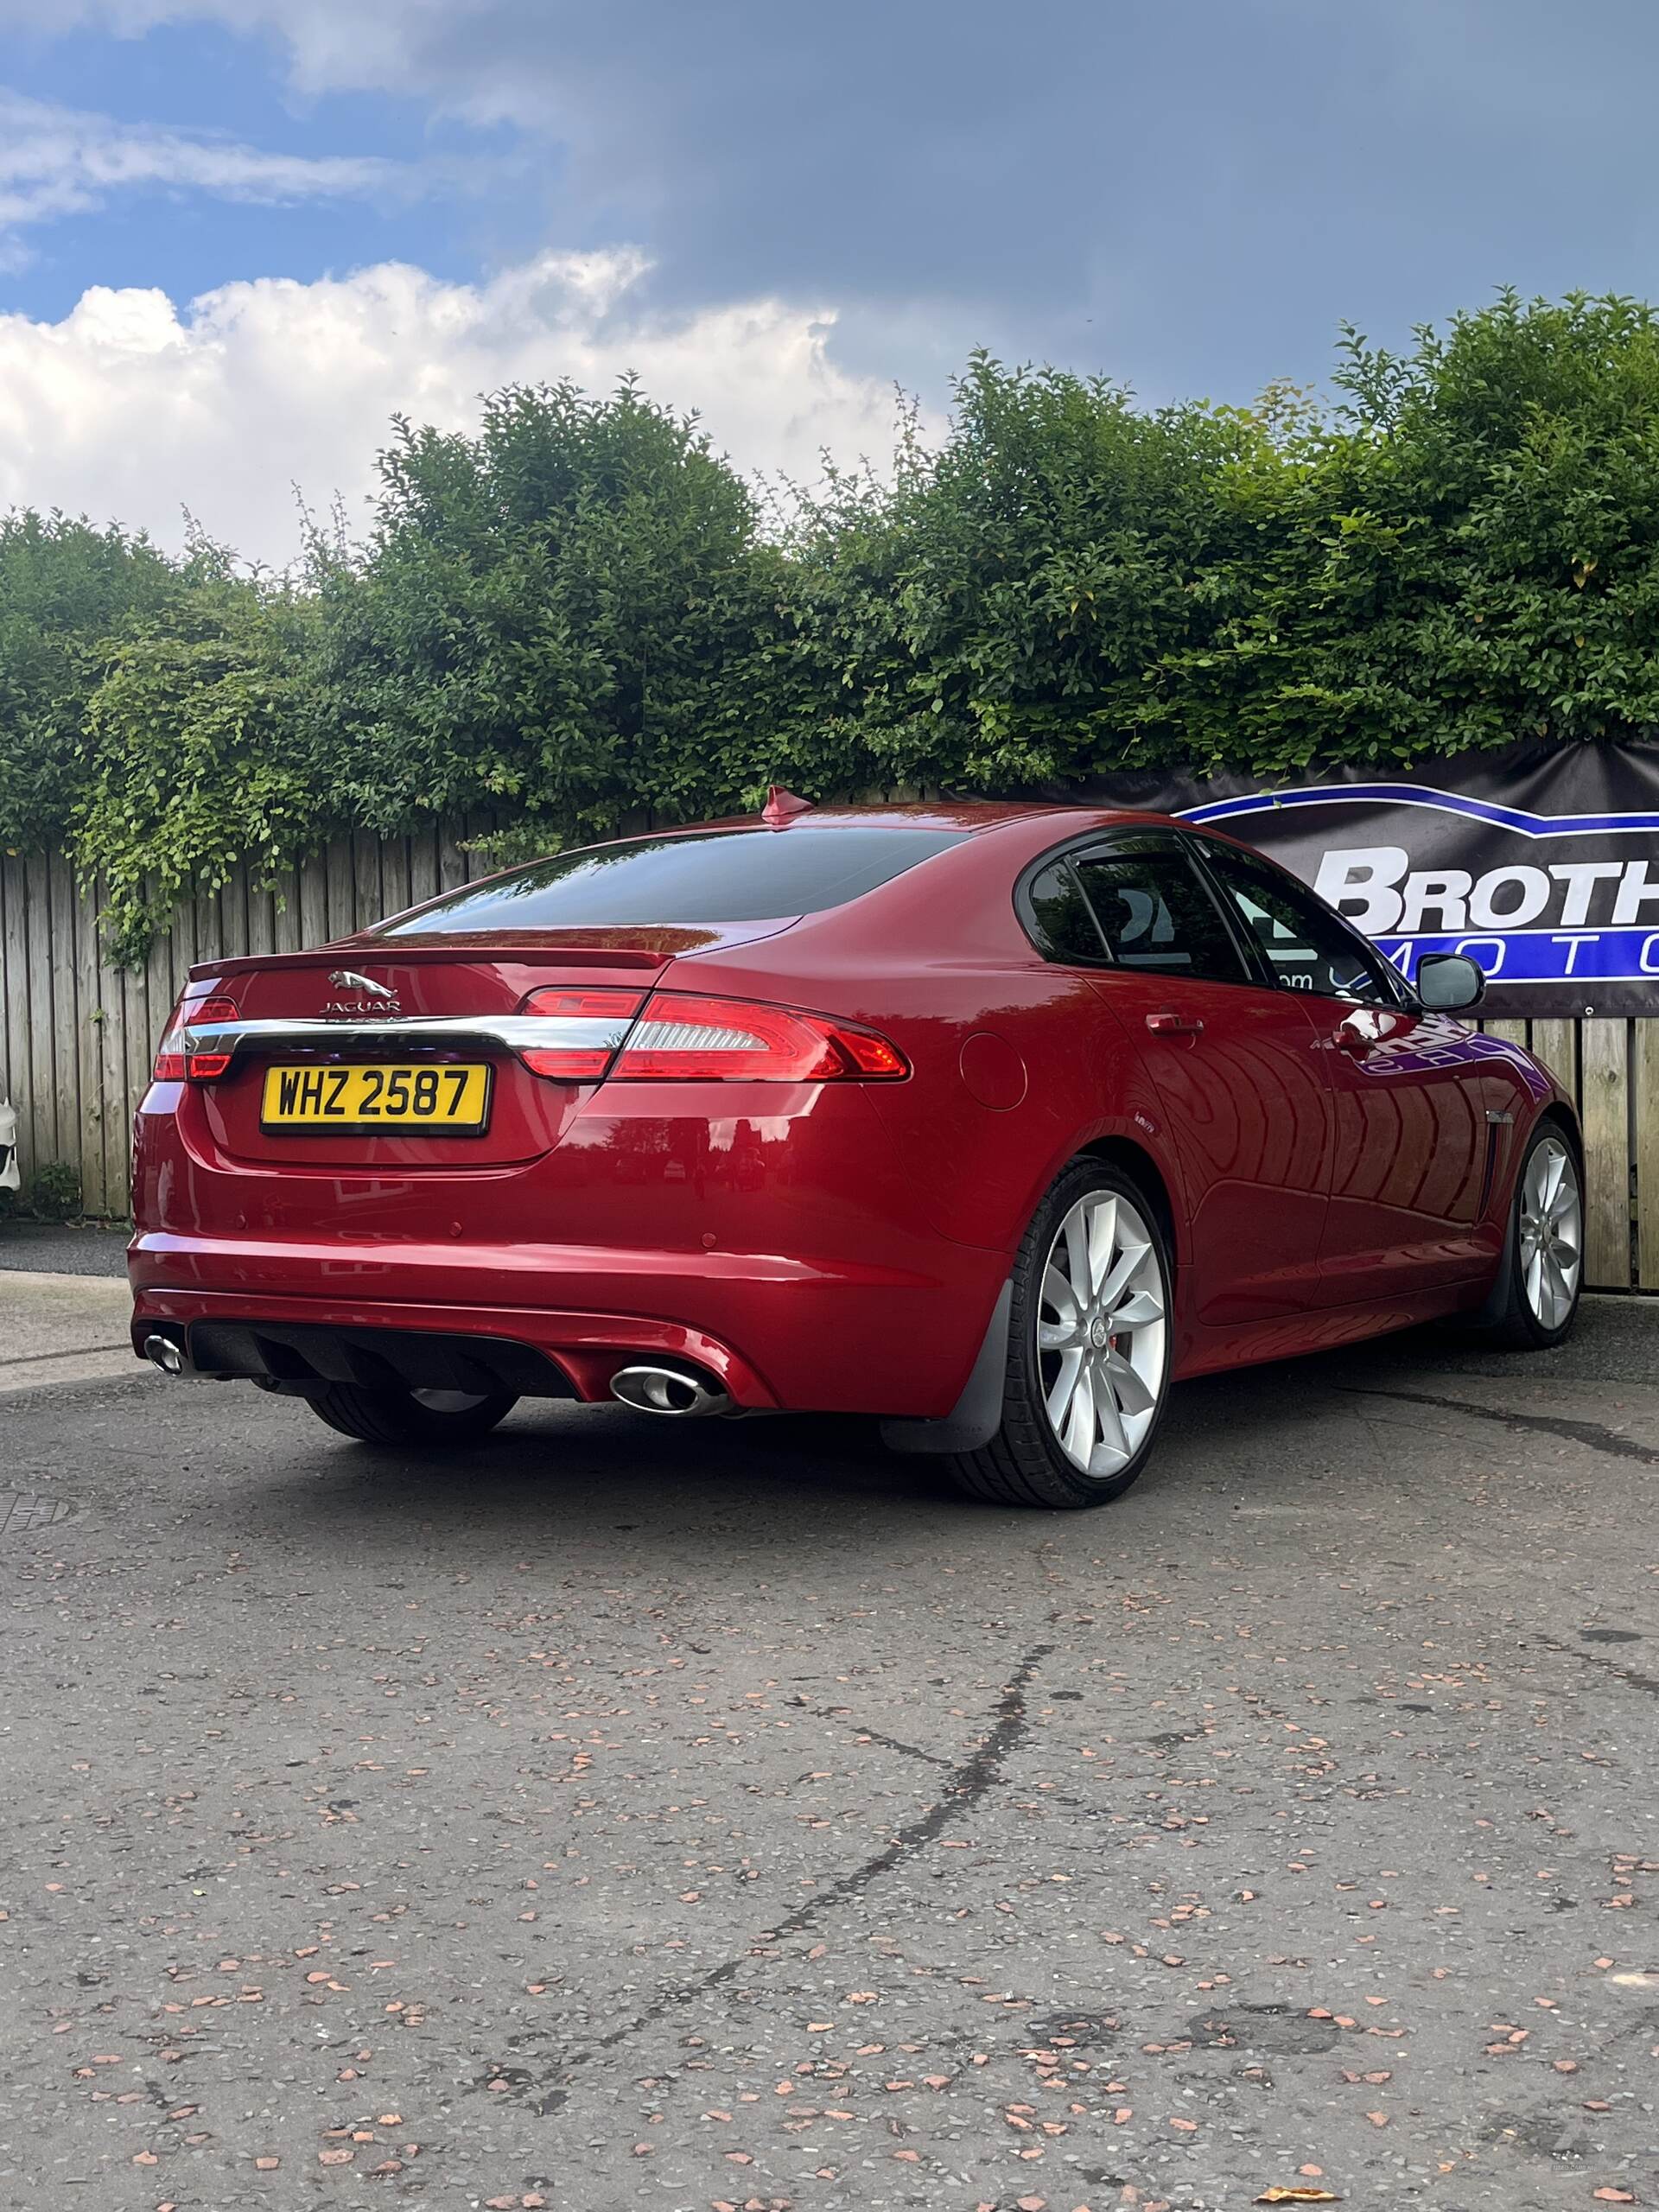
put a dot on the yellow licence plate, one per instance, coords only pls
(450, 1099)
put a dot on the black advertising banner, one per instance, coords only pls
(1541, 862)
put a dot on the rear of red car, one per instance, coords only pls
(523, 1141)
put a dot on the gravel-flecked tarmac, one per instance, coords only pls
(728, 1816)
(70, 1248)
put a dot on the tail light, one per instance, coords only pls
(177, 1059)
(679, 1038)
(584, 1029)
(673, 1037)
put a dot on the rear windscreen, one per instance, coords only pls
(725, 875)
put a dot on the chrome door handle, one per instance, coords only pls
(1175, 1024)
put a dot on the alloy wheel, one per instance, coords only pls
(1102, 1333)
(1551, 1233)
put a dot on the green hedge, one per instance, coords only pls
(583, 615)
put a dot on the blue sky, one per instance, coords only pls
(774, 214)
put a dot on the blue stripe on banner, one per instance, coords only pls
(1516, 818)
(1522, 957)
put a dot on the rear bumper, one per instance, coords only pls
(766, 1233)
(776, 1334)
(581, 1351)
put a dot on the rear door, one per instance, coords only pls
(1235, 1065)
(1414, 1142)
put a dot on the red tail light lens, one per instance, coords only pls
(584, 1029)
(679, 1038)
(175, 1061)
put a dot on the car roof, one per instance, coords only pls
(965, 816)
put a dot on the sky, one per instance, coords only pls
(237, 236)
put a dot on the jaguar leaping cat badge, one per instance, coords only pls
(381, 996)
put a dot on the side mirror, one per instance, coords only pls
(1448, 982)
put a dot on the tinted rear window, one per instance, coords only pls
(729, 875)
(1155, 913)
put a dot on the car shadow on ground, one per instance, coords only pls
(593, 1462)
(578, 1470)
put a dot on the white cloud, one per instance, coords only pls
(333, 42)
(61, 160)
(129, 409)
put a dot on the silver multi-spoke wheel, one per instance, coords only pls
(1102, 1333)
(1551, 1233)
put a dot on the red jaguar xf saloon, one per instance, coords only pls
(990, 1121)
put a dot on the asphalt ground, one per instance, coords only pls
(67, 1248)
(62, 1328)
(726, 1815)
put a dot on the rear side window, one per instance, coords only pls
(1155, 913)
(1065, 926)
(724, 875)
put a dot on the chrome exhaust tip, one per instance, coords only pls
(165, 1353)
(670, 1390)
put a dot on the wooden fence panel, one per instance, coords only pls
(261, 920)
(367, 901)
(113, 1076)
(37, 1105)
(394, 876)
(14, 985)
(341, 901)
(288, 937)
(1556, 1043)
(422, 867)
(62, 902)
(103, 1188)
(138, 1036)
(1604, 1109)
(311, 904)
(1644, 1132)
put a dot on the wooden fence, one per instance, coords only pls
(77, 1035)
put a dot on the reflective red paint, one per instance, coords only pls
(826, 1237)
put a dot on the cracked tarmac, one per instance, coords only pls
(728, 1817)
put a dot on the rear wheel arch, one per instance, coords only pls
(974, 1417)
(1079, 1362)
(1136, 1162)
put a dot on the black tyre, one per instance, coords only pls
(429, 1418)
(1543, 1253)
(1088, 1348)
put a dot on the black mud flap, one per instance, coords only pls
(977, 1414)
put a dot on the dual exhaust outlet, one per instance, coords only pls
(674, 1391)
(670, 1390)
